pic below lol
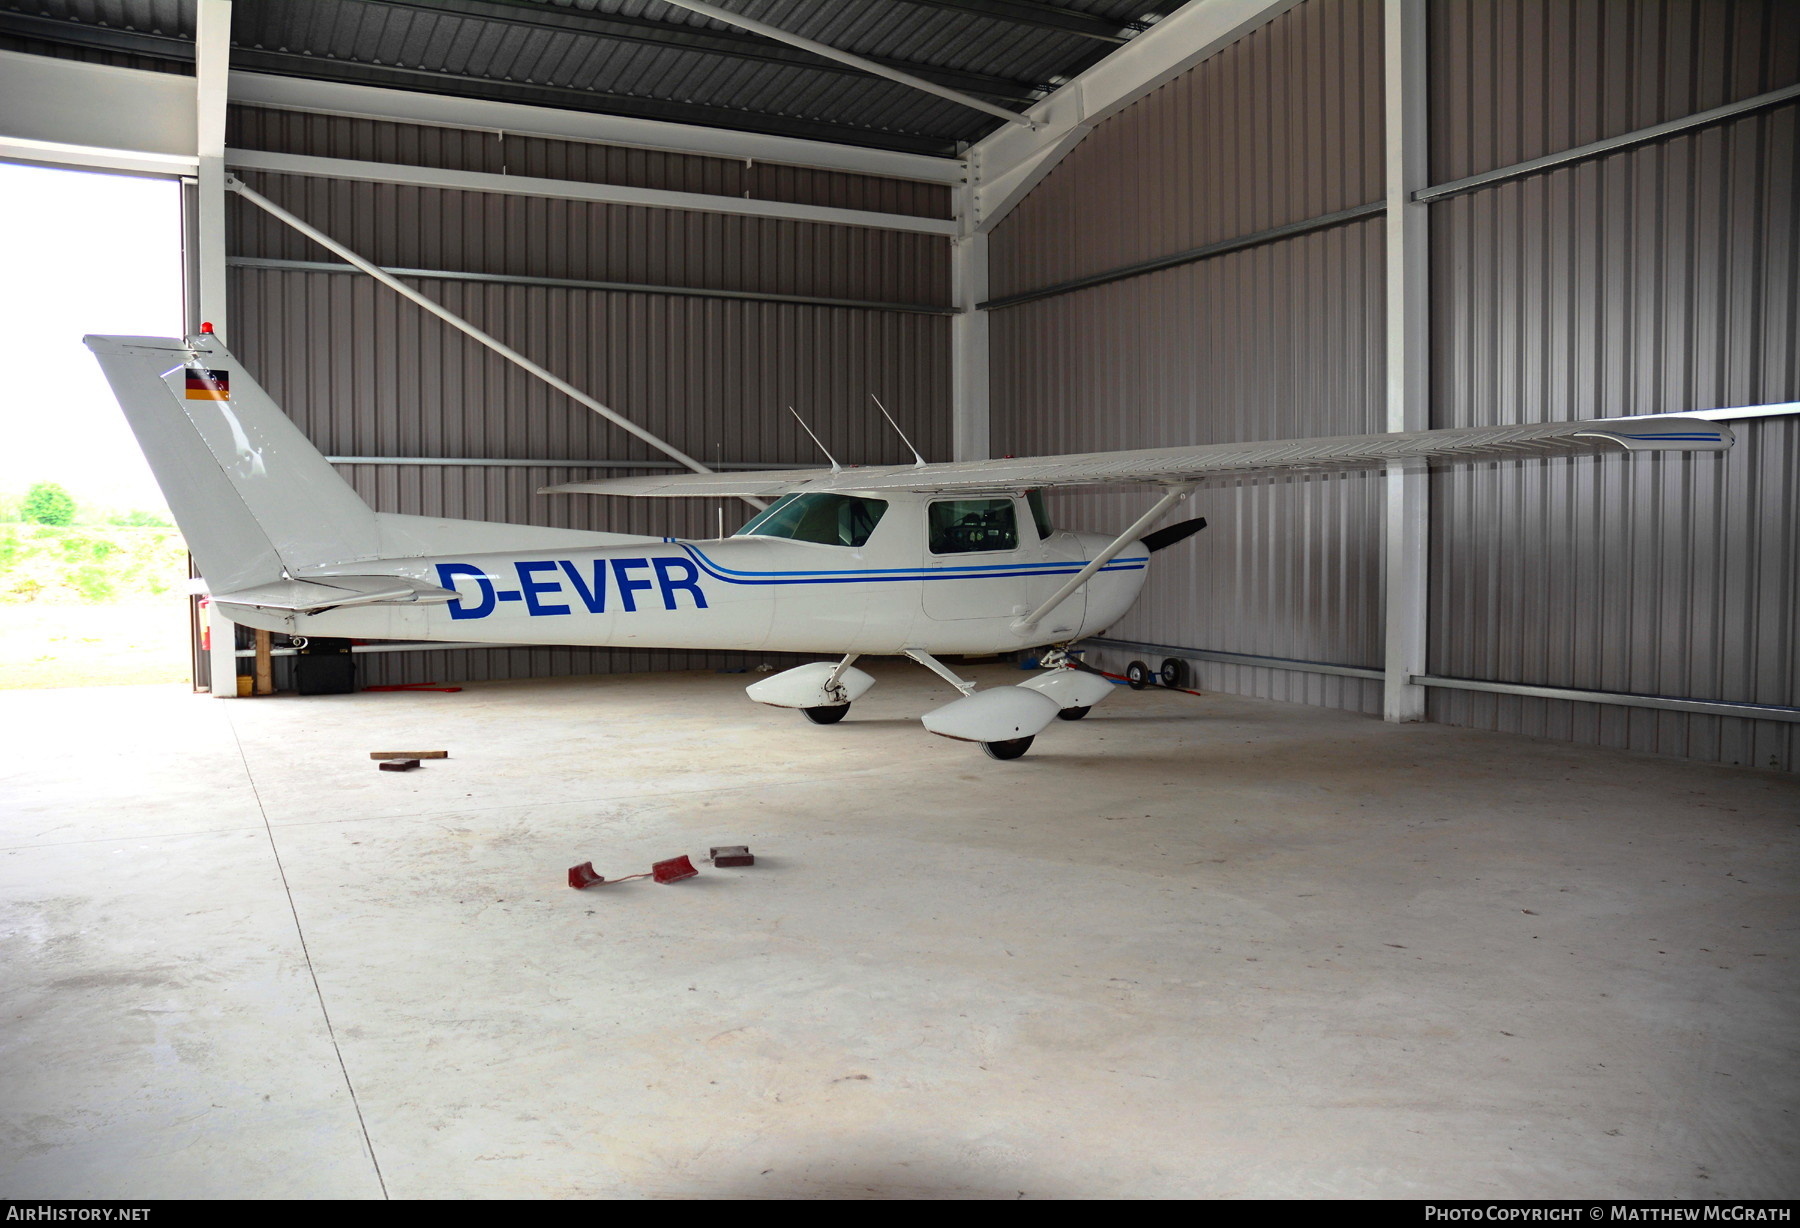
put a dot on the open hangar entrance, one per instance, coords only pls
(1221, 221)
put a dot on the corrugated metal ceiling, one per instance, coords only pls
(647, 58)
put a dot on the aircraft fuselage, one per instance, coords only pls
(749, 593)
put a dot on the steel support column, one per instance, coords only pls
(212, 64)
(969, 406)
(1407, 501)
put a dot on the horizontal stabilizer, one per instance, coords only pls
(332, 592)
(1200, 462)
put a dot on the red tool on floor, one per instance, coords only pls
(671, 871)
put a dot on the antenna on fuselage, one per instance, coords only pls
(835, 467)
(919, 460)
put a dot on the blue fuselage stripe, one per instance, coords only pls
(994, 571)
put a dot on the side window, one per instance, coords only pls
(965, 526)
(1040, 514)
(830, 520)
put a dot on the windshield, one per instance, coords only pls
(831, 520)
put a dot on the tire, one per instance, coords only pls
(1174, 673)
(1012, 748)
(1074, 714)
(829, 715)
(1138, 675)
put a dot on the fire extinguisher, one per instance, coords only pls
(205, 625)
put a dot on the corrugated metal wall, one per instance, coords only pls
(1658, 278)
(1279, 340)
(366, 374)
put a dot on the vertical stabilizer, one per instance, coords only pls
(255, 500)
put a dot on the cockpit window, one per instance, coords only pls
(964, 526)
(1040, 514)
(830, 520)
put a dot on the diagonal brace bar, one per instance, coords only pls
(449, 317)
(1176, 495)
(844, 57)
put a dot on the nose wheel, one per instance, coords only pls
(1012, 748)
(828, 715)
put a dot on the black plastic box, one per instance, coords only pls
(325, 667)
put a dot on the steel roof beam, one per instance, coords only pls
(1042, 17)
(622, 27)
(72, 113)
(406, 106)
(562, 97)
(829, 52)
(568, 189)
(572, 98)
(711, 42)
(105, 38)
(1012, 161)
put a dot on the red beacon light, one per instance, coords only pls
(206, 327)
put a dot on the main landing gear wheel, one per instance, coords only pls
(1074, 714)
(1012, 748)
(1138, 675)
(829, 715)
(1174, 673)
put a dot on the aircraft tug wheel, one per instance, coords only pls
(1074, 714)
(1174, 673)
(1012, 748)
(1138, 675)
(829, 715)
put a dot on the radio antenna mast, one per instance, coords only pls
(919, 461)
(835, 467)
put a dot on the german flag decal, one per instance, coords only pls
(204, 385)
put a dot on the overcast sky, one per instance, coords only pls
(83, 253)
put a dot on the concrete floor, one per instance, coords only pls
(1185, 948)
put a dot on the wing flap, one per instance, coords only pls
(1199, 463)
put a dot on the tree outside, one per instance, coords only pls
(47, 503)
(92, 598)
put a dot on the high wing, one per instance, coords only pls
(1198, 463)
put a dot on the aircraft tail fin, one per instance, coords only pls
(254, 499)
(258, 503)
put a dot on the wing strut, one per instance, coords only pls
(1176, 495)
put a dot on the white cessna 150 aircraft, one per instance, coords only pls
(913, 560)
